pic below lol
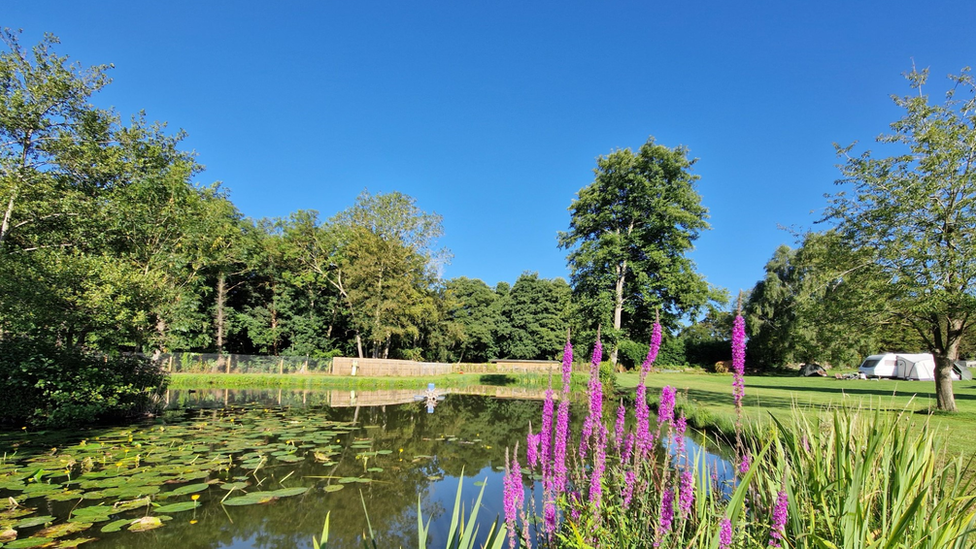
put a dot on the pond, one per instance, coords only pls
(243, 469)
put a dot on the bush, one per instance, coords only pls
(51, 386)
(631, 354)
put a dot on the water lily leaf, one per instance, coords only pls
(188, 489)
(145, 524)
(16, 513)
(288, 492)
(24, 543)
(384, 452)
(34, 521)
(291, 458)
(375, 470)
(66, 495)
(130, 505)
(334, 487)
(253, 498)
(234, 486)
(115, 525)
(64, 529)
(177, 507)
(347, 480)
(69, 543)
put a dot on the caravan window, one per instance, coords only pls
(870, 363)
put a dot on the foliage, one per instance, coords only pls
(52, 386)
(630, 231)
(534, 314)
(914, 214)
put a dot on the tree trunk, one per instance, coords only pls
(221, 300)
(5, 227)
(944, 398)
(618, 307)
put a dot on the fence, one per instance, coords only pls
(212, 363)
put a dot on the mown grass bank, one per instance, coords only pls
(711, 394)
(323, 381)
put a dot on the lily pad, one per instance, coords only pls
(178, 507)
(334, 487)
(188, 489)
(75, 542)
(254, 498)
(289, 492)
(24, 543)
(30, 522)
(64, 529)
(145, 524)
(115, 525)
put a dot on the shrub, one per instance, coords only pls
(51, 386)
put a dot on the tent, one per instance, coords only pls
(962, 370)
(808, 370)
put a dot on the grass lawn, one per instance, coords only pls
(776, 395)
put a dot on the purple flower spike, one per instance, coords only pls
(532, 448)
(665, 412)
(667, 510)
(651, 351)
(779, 519)
(630, 479)
(738, 361)
(725, 534)
(618, 428)
(567, 364)
(745, 463)
(687, 495)
(513, 497)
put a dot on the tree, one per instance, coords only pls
(914, 215)
(629, 232)
(534, 318)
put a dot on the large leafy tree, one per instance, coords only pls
(92, 208)
(914, 214)
(630, 232)
(534, 316)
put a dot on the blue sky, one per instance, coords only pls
(492, 114)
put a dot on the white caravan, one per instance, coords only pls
(901, 366)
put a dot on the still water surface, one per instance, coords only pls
(346, 447)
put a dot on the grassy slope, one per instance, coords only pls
(777, 395)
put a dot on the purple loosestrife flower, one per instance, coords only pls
(567, 364)
(549, 515)
(779, 519)
(545, 435)
(514, 496)
(562, 440)
(680, 427)
(628, 449)
(686, 497)
(745, 463)
(643, 413)
(667, 510)
(630, 479)
(725, 534)
(599, 465)
(665, 411)
(651, 351)
(618, 428)
(595, 419)
(532, 447)
(738, 361)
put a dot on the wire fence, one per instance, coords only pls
(213, 363)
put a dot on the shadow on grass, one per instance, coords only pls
(498, 379)
(882, 389)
